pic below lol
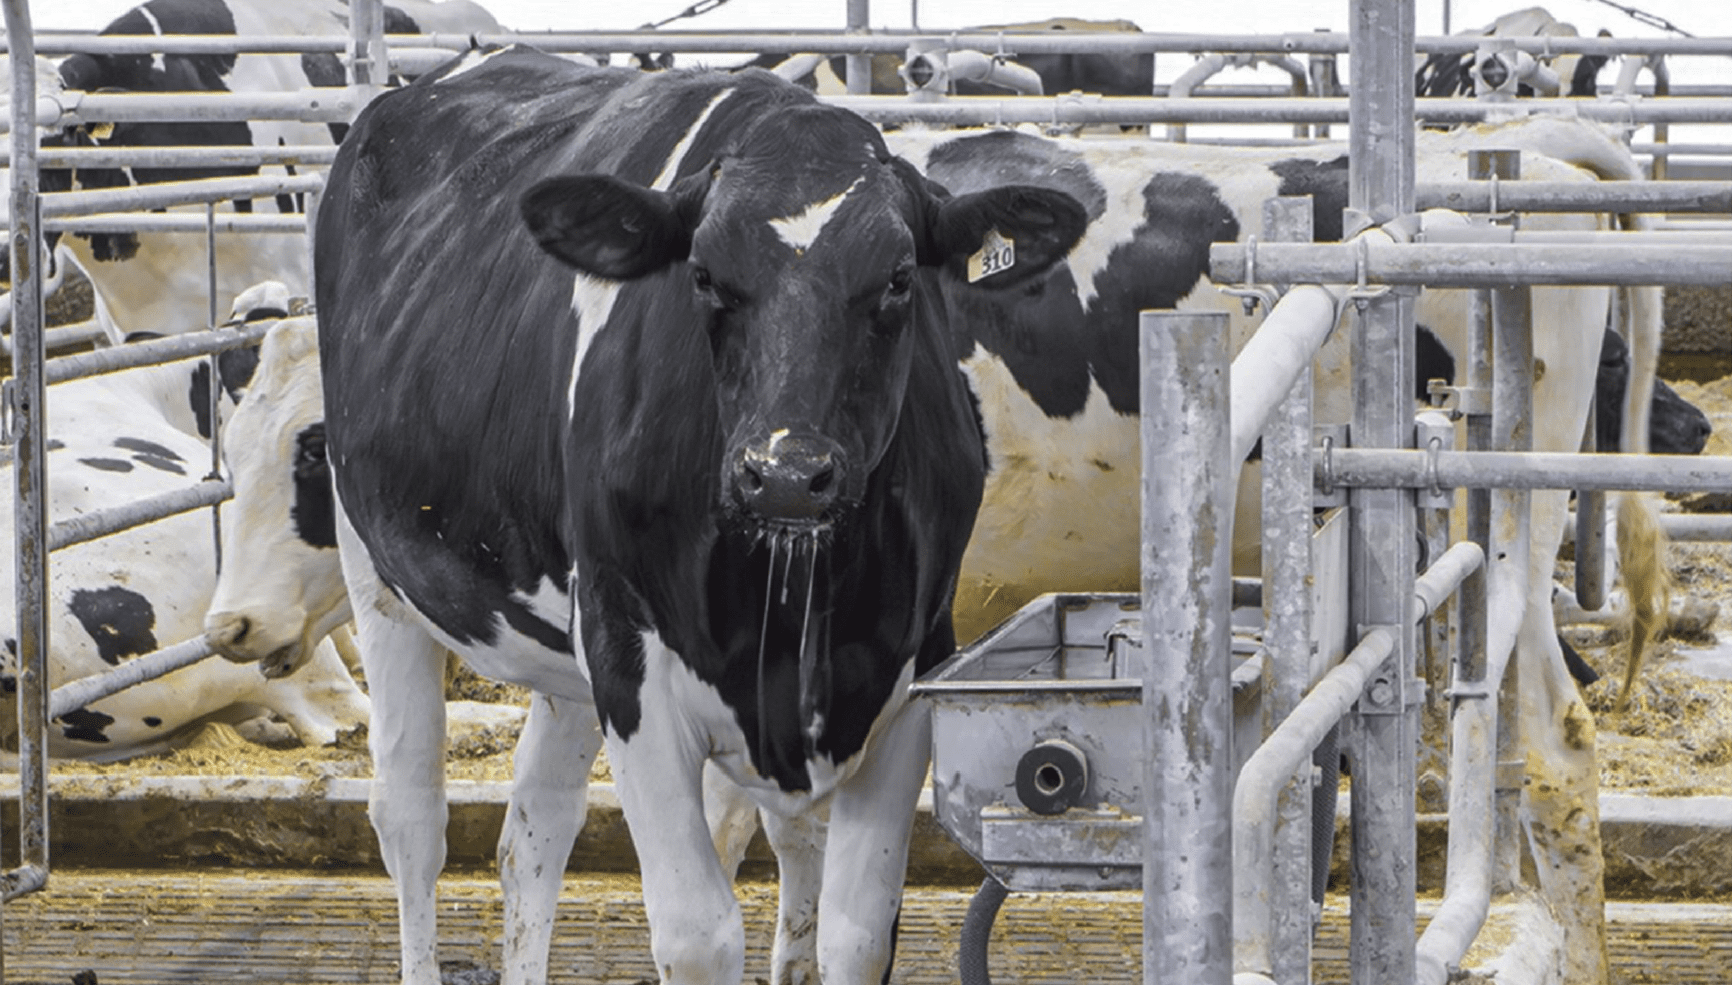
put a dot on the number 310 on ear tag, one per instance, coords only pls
(997, 254)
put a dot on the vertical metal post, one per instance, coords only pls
(26, 409)
(214, 397)
(1382, 548)
(1507, 524)
(1187, 534)
(1287, 625)
(859, 67)
(370, 65)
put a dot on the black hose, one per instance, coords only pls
(977, 932)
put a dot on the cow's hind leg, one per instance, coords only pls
(866, 857)
(406, 678)
(550, 785)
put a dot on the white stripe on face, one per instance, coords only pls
(156, 61)
(471, 60)
(801, 231)
(592, 298)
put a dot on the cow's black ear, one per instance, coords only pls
(607, 227)
(1003, 236)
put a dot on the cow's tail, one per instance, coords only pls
(1641, 542)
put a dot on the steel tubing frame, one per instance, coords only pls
(1087, 109)
(1287, 632)
(1382, 740)
(1710, 528)
(238, 223)
(26, 399)
(190, 156)
(137, 670)
(1187, 532)
(1576, 196)
(1484, 265)
(165, 194)
(883, 41)
(1289, 747)
(1410, 469)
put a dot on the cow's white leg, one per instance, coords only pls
(696, 934)
(866, 857)
(732, 817)
(799, 845)
(406, 677)
(550, 784)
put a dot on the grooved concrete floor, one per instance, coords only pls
(173, 927)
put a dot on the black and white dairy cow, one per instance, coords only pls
(649, 368)
(158, 281)
(112, 440)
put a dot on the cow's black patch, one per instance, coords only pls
(147, 448)
(85, 725)
(107, 464)
(151, 721)
(1035, 331)
(1326, 183)
(1432, 360)
(120, 621)
(314, 509)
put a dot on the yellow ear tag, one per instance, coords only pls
(997, 254)
(102, 131)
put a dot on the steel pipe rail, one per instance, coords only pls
(317, 105)
(179, 222)
(1461, 265)
(237, 156)
(1090, 109)
(153, 351)
(883, 41)
(170, 193)
(77, 694)
(1290, 745)
(1696, 528)
(1406, 469)
(1281, 348)
(1575, 196)
(100, 523)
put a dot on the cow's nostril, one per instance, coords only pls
(821, 481)
(750, 479)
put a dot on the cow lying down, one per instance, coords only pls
(111, 440)
(1051, 365)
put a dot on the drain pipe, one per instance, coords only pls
(1290, 746)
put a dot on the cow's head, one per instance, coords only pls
(807, 249)
(281, 587)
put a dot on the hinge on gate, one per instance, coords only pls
(1325, 439)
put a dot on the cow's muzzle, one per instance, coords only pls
(788, 480)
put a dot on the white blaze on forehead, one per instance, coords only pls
(470, 61)
(156, 61)
(801, 231)
(592, 298)
(671, 171)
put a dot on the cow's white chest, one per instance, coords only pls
(677, 705)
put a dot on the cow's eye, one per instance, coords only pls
(900, 282)
(715, 293)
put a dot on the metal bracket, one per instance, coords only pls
(1383, 696)
(1459, 401)
(1432, 433)
(1325, 439)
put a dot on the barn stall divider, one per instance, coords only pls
(1187, 911)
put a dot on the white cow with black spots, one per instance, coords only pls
(111, 440)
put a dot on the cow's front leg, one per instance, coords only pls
(866, 857)
(696, 935)
(549, 791)
(799, 845)
(406, 677)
